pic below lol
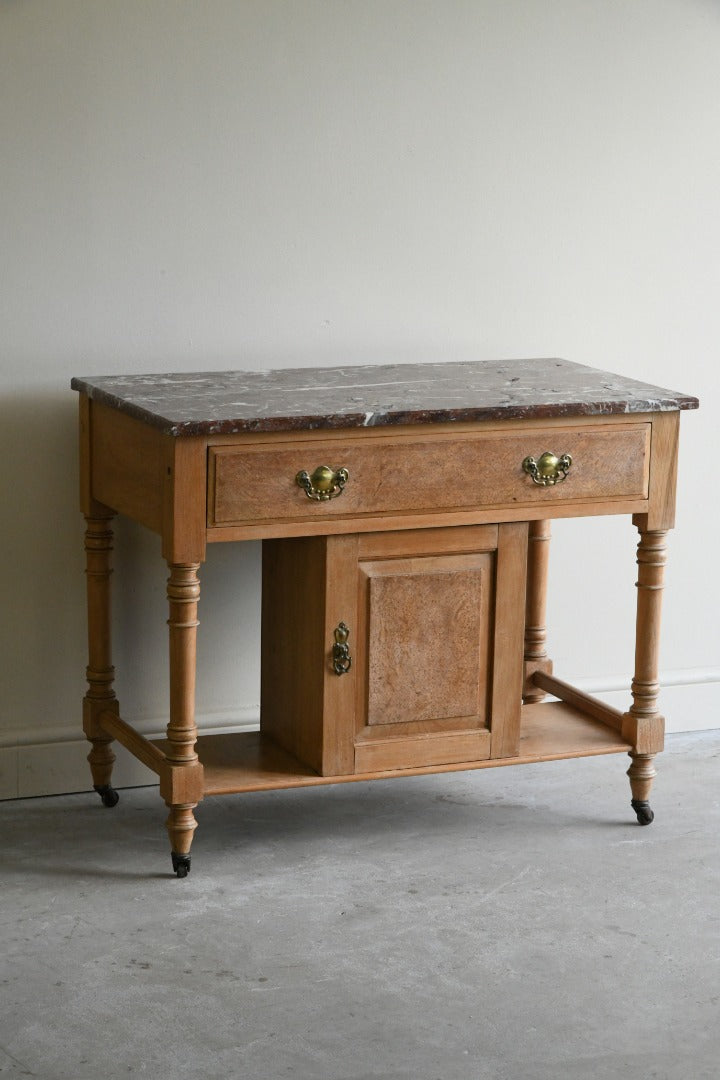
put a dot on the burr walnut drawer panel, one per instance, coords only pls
(405, 474)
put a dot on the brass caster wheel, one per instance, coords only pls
(180, 864)
(108, 794)
(642, 809)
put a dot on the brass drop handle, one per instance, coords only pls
(548, 469)
(341, 658)
(325, 483)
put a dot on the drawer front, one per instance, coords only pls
(444, 472)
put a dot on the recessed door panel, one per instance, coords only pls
(439, 641)
(427, 639)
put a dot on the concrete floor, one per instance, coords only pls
(508, 924)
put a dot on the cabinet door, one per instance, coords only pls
(439, 646)
(396, 650)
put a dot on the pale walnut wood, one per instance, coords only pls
(643, 725)
(127, 460)
(100, 698)
(427, 543)
(536, 657)
(508, 631)
(308, 589)
(310, 585)
(406, 474)
(586, 703)
(150, 477)
(339, 690)
(427, 640)
(293, 648)
(140, 747)
(642, 773)
(426, 668)
(423, 648)
(184, 494)
(663, 475)
(183, 590)
(429, 519)
(88, 504)
(250, 762)
(181, 826)
(440, 541)
(406, 751)
(422, 614)
(181, 780)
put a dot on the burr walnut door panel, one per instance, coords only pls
(439, 641)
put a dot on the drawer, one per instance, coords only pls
(442, 472)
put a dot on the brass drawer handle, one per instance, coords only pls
(325, 483)
(548, 469)
(341, 657)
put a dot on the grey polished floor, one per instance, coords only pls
(508, 924)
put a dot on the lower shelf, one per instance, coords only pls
(250, 762)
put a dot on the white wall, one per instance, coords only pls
(228, 183)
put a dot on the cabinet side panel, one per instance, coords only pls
(292, 632)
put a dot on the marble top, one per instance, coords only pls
(293, 399)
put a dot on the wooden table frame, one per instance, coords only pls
(161, 480)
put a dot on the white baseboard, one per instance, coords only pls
(58, 765)
(690, 701)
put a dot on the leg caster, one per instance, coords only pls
(180, 864)
(642, 808)
(108, 794)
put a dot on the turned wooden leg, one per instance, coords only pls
(642, 773)
(100, 697)
(181, 783)
(536, 658)
(643, 725)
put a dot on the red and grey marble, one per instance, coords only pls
(293, 399)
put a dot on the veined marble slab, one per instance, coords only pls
(293, 399)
